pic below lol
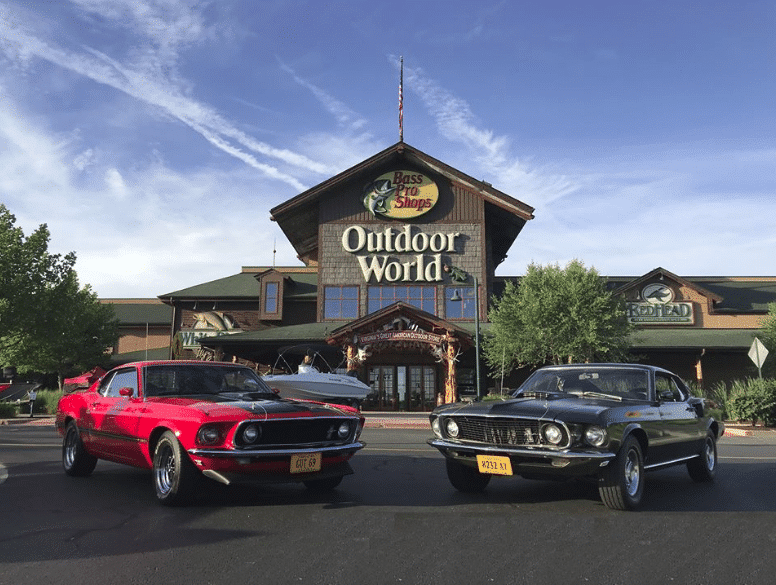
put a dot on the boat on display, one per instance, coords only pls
(309, 383)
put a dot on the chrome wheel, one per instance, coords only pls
(75, 459)
(704, 467)
(632, 473)
(175, 476)
(164, 469)
(620, 483)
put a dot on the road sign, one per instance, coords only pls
(757, 353)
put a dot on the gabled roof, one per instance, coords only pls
(425, 321)
(140, 311)
(298, 217)
(662, 273)
(302, 282)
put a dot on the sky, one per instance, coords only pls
(152, 137)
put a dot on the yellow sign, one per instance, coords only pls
(400, 195)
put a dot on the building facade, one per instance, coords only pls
(399, 257)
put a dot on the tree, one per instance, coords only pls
(556, 316)
(48, 323)
(768, 337)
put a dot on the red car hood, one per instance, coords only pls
(220, 407)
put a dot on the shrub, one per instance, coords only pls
(753, 400)
(46, 401)
(8, 409)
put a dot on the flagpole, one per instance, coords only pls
(401, 101)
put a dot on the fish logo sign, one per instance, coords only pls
(657, 293)
(400, 195)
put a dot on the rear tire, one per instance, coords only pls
(704, 467)
(175, 476)
(75, 459)
(621, 483)
(466, 479)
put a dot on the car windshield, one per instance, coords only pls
(614, 383)
(195, 379)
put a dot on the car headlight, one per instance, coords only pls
(552, 433)
(251, 433)
(208, 435)
(451, 428)
(595, 436)
(344, 430)
(435, 426)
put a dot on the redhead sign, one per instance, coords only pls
(400, 195)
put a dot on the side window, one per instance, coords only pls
(121, 379)
(667, 389)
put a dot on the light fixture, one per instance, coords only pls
(457, 298)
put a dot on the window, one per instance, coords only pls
(422, 297)
(459, 302)
(119, 380)
(271, 297)
(667, 389)
(271, 307)
(340, 302)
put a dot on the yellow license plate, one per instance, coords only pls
(494, 464)
(305, 462)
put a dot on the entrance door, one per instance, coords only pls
(402, 388)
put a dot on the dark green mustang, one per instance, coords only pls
(612, 422)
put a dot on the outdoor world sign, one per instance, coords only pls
(423, 265)
(659, 308)
(400, 195)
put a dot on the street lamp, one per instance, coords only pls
(457, 297)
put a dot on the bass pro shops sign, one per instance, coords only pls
(659, 308)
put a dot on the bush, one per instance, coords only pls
(8, 410)
(46, 402)
(753, 400)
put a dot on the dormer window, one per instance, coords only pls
(272, 297)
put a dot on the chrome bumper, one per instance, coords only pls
(444, 446)
(276, 452)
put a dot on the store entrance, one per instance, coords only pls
(408, 388)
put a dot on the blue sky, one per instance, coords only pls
(154, 136)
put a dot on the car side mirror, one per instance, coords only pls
(127, 391)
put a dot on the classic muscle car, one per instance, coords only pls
(612, 422)
(192, 420)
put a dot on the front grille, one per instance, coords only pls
(316, 431)
(512, 432)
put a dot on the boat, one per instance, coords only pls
(309, 383)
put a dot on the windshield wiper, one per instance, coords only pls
(589, 394)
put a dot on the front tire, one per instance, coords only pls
(466, 479)
(704, 467)
(75, 459)
(621, 483)
(174, 474)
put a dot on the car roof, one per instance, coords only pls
(645, 367)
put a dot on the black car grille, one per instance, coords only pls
(314, 431)
(510, 432)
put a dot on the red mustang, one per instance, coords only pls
(185, 420)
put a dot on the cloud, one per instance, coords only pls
(153, 80)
